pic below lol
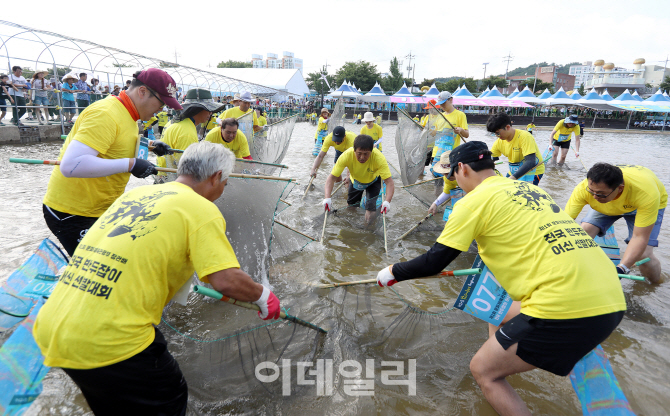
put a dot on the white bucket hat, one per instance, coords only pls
(246, 97)
(368, 117)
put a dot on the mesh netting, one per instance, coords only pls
(411, 146)
(246, 124)
(270, 146)
(431, 121)
(337, 118)
(249, 206)
(427, 192)
(252, 167)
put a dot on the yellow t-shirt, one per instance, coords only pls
(179, 136)
(239, 145)
(379, 120)
(162, 118)
(108, 128)
(262, 121)
(366, 172)
(643, 191)
(236, 113)
(539, 255)
(458, 119)
(449, 185)
(375, 132)
(129, 265)
(212, 122)
(149, 122)
(321, 126)
(359, 116)
(530, 127)
(347, 143)
(563, 133)
(522, 145)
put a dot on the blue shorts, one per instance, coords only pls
(604, 222)
(69, 107)
(41, 101)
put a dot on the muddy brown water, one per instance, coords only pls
(442, 342)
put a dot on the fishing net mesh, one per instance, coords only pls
(270, 146)
(252, 167)
(411, 146)
(246, 125)
(337, 118)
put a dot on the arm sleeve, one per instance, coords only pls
(244, 145)
(428, 264)
(529, 162)
(576, 201)
(81, 161)
(495, 149)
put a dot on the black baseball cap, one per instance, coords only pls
(466, 153)
(338, 134)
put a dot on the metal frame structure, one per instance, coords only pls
(34, 48)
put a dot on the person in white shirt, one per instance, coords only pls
(18, 85)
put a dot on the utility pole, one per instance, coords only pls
(176, 55)
(508, 58)
(409, 64)
(485, 63)
(324, 73)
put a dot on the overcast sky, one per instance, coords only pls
(447, 38)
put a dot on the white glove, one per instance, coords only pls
(576, 154)
(328, 204)
(385, 277)
(386, 207)
(266, 128)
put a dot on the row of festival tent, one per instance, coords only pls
(659, 102)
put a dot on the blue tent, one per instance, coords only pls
(560, 97)
(545, 94)
(575, 95)
(376, 90)
(463, 93)
(606, 96)
(527, 96)
(494, 94)
(625, 96)
(485, 93)
(637, 96)
(513, 94)
(433, 92)
(656, 98)
(403, 92)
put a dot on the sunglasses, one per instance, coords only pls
(600, 195)
(155, 96)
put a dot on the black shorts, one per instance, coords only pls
(68, 228)
(337, 155)
(148, 383)
(555, 345)
(562, 145)
(429, 157)
(373, 190)
(160, 129)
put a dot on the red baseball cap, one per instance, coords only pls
(162, 84)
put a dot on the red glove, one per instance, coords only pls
(269, 305)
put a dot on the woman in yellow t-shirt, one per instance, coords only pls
(372, 129)
(561, 136)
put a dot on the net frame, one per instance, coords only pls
(411, 146)
(271, 146)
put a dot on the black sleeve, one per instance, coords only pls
(495, 159)
(529, 162)
(430, 263)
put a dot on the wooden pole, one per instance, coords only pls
(308, 186)
(419, 183)
(445, 119)
(323, 231)
(450, 273)
(295, 231)
(421, 222)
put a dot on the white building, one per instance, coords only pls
(287, 61)
(582, 72)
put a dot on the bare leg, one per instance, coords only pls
(564, 153)
(590, 229)
(651, 269)
(555, 155)
(489, 367)
(513, 311)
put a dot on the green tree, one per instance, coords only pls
(453, 84)
(362, 73)
(393, 82)
(581, 90)
(315, 81)
(494, 81)
(665, 85)
(539, 86)
(234, 64)
(426, 83)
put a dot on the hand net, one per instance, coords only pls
(410, 143)
(246, 124)
(270, 146)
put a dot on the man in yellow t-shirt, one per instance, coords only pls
(98, 156)
(230, 136)
(530, 127)
(372, 129)
(561, 136)
(567, 297)
(245, 100)
(162, 120)
(447, 138)
(518, 146)
(429, 122)
(629, 191)
(379, 119)
(340, 139)
(99, 323)
(198, 108)
(148, 125)
(358, 119)
(367, 169)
